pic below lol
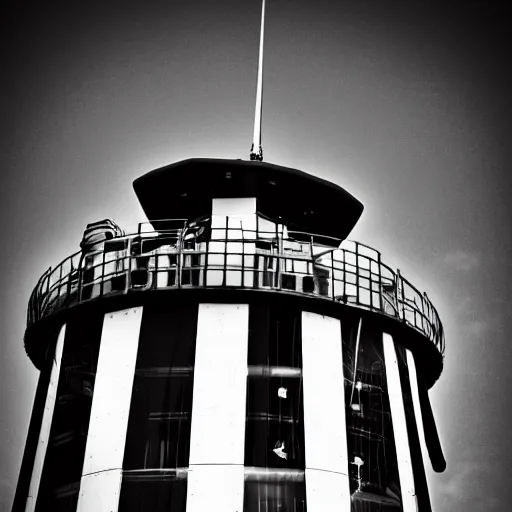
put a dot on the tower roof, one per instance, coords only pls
(303, 202)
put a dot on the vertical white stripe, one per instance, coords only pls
(46, 423)
(215, 488)
(218, 409)
(220, 381)
(413, 378)
(327, 492)
(104, 451)
(325, 436)
(396, 402)
(99, 492)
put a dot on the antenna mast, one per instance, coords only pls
(256, 149)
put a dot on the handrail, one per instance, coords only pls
(352, 274)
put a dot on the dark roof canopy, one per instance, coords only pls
(304, 202)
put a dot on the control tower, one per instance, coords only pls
(235, 353)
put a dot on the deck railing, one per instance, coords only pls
(353, 274)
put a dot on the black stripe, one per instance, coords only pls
(34, 429)
(418, 467)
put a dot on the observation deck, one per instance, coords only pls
(229, 227)
(193, 256)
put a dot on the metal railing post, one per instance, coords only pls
(357, 273)
(379, 275)
(179, 246)
(128, 285)
(225, 270)
(400, 295)
(102, 270)
(243, 254)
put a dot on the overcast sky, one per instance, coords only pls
(402, 105)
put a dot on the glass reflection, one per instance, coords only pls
(274, 336)
(158, 436)
(275, 429)
(373, 469)
(274, 491)
(153, 492)
(159, 426)
(62, 470)
(66, 498)
(274, 437)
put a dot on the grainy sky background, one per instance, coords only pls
(403, 104)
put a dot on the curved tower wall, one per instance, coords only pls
(186, 404)
(220, 393)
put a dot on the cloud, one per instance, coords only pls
(476, 328)
(6, 493)
(455, 485)
(462, 260)
(467, 485)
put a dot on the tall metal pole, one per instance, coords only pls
(256, 149)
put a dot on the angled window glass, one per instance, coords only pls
(373, 468)
(274, 436)
(274, 491)
(159, 426)
(62, 469)
(150, 492)
(274, 336)
(158, 436)
(66, 498)
(275, 427)
(168, 333)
